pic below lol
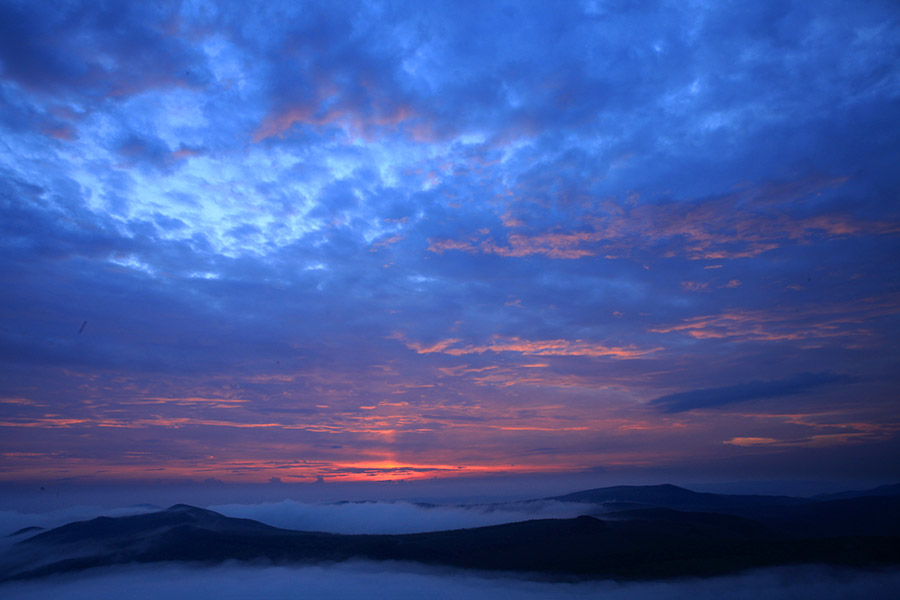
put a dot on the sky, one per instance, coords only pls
(310, 242)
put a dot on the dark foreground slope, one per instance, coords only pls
(644, 543)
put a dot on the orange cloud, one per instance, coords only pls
(751, 441)
(359, 121)
(552, 245)
(61, 132)
(196, 400)
(531, 348)
(740, 225)
(695, 286)
(44, 422)
(813, 322)
(184, 152)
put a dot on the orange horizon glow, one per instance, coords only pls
(249, 472)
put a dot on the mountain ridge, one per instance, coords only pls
(648, 542)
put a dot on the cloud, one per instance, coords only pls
(530, 348)
(742, 224)
(397, 517)
(810, 326)
(366, 517)
(246, 205)
(46, 53)
(408, 581)
(751, 441)
(745, 392)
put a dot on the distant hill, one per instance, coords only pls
(672, 496)
(884, 490)
(25, 530)
(875, 512)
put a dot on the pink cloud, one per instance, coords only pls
(812, 323)
(331, 104)
(559, 347)
(743, 224)
(751, 441)
(695, 286)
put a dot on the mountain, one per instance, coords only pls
(643, 543)
(672, 496)
(870, 516)
(25, 530)
(122, 529)
(874, 513)
(883, 490)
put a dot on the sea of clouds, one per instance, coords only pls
(398, 517)
(404, 581)
(332, 517)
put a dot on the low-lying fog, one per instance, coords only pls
(335, 517)
(398, 517)
(401, 581)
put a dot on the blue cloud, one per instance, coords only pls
(744, 392)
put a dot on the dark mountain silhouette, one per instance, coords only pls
(875, 516)
(121, 529)
(643, 543)
(883, 490)
(712, 525)
(25, 530)
(672, 496)
(876, 512)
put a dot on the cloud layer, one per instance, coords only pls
(370, 241)
(402, 581)
(398, 517)
(745, 392)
